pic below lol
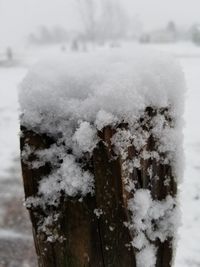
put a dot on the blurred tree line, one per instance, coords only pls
(103, 21)
(100, 20)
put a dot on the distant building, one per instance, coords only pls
(195, 33)
(165, 35)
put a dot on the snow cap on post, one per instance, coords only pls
(81, 87)
(76, 95)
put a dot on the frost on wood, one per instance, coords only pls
(129, 106)
(151, 220)
(150, 153)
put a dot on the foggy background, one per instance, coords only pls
(20, 19)
(31, 29)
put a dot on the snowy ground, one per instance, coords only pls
(14, 224)
(189, 245)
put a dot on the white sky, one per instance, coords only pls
(19, 17)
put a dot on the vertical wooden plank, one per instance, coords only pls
(115, 237)
(77, 224)
(159, 190)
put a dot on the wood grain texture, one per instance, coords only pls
(115, 237)
(77, 222)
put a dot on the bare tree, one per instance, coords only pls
(114, 20)
(88, 13)
(102, 19)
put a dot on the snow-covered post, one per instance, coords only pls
(101, 150)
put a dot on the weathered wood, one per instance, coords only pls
(83, 239)
(77, 224)
(159, 190)
(115, 237)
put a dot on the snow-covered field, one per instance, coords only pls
(14, 226)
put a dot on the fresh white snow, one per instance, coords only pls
(9, 125)
(80, 86)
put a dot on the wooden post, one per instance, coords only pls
(84, 239)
